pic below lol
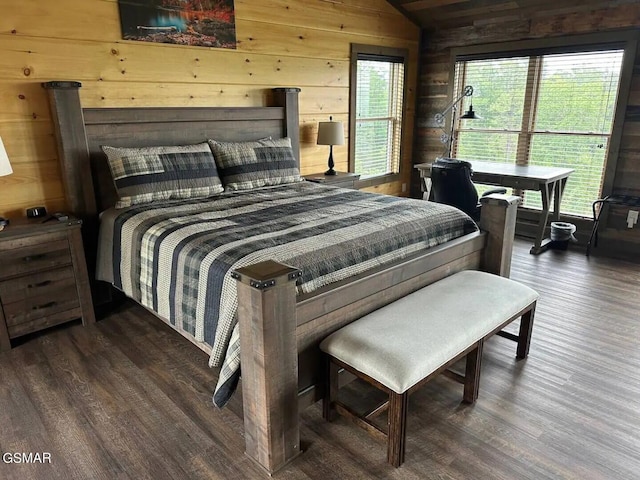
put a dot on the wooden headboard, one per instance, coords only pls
(81, 131)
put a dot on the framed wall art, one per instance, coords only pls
(204, 23)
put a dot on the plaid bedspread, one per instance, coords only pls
(176, 258)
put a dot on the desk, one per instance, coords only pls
(549, 181)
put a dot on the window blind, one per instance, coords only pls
(552, 110)
(379, 99)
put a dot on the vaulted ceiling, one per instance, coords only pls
(445, 14)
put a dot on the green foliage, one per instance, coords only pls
(373, 135)
(498, 95)
(572, 123)
(372, 147)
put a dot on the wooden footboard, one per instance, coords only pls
(281, 366)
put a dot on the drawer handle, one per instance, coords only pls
(39, 284)
(45, 305)
(31, 258)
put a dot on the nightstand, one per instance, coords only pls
(43, 277)
(342, 179)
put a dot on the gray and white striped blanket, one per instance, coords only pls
(176, 258)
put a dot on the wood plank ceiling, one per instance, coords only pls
(446, 14)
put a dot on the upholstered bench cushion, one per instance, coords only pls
(405, 341)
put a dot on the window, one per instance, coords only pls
(377, 96)
(547, 109)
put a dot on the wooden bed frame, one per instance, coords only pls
(281, 365)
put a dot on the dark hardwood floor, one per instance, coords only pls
(129, 398)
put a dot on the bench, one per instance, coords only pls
(403, 345)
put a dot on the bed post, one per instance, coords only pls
(269, 362)
(73, 152)
(498, 219)
(288, 98)
(75, 167)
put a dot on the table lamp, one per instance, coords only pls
(330, 133)
(5, 169)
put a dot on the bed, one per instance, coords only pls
(279, 324)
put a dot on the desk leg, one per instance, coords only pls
(557, 197)
(545, 192)
(426, 188)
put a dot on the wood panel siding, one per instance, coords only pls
(130, 398)
(302, 43)
(450, 14)
(481, 22)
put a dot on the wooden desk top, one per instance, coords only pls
(532, 172)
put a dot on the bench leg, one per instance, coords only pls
(524, 336)
(398, 405)
(330, 391)
(472, 374)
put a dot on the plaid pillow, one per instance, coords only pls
(246, 165)
(144, 175)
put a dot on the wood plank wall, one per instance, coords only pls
(435, 65)
(302, 43)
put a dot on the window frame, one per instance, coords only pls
(623, 39)
(382, 52)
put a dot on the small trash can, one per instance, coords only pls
(561, 235)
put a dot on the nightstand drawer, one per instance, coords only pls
(18, 261)
(36, 284)
(38, 306)
(44, 322)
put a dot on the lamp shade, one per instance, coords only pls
(5, 166)
(470, 114)
(330, 133)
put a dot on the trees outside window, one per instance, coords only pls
(553, 109)
(377, 101)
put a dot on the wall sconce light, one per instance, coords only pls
(447, 138)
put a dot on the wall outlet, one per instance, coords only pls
(632, 218)
(404, 188)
